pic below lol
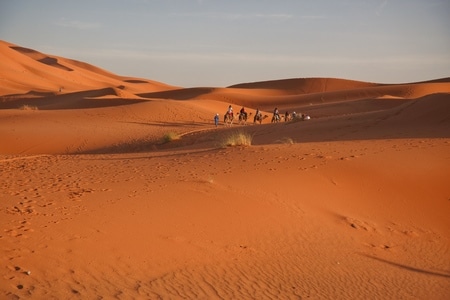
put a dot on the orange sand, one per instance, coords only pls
(96, 203)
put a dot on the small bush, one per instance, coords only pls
(238, 139)
(170, 136)
(28, 107)
(287, 140)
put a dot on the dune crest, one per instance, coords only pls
(23, 70)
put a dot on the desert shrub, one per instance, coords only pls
(170, 136)
(28, 107)
(287, 140)
(237, 139)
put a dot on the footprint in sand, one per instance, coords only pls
(358, 224)
(21, 210)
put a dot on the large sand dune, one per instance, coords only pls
(122, 187)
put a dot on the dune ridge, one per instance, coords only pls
(23, 70)
(122, 187)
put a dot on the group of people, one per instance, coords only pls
(229, 113)
(277, 117)
(258, 116)
(242, 112)
(288, 117)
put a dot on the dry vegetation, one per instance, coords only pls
(170, 136)
(238, 138)
(28, 107)
(287, 140)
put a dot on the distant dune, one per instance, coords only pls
(24, 70)
(123, 187)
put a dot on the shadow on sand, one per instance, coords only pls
(408, 268)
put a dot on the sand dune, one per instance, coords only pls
(23, 70)
(122, 187)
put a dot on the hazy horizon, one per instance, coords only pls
(220, 43)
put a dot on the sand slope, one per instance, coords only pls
(98, 200)
(26, 72)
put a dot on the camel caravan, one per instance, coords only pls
(228, 117)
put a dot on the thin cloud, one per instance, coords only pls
(81, 25)
(224, 56)
(312, 17)
(231, 16)
(381, 7)
(258, 16)
(248, 16)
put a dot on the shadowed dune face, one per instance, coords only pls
(33, 54)
(54, 63)
(307, 85)
(104, 97)
(179, 94)
(51, 61)
(121, 187)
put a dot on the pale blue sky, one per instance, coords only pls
(223, 42)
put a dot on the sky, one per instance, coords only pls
(191, 43)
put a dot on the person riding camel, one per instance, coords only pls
(230, 111)
(243, 113)
(258, 116)
(276, 114)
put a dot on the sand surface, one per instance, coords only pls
(116, 187)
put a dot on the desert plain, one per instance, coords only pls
(117, 187)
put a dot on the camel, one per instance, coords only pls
(243, 118)
(259, 117)
(287, 117)
(228, 119)
(276, 119)
(300, 117)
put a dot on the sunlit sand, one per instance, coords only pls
(121, 187)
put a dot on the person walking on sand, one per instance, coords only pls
(216, 119)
